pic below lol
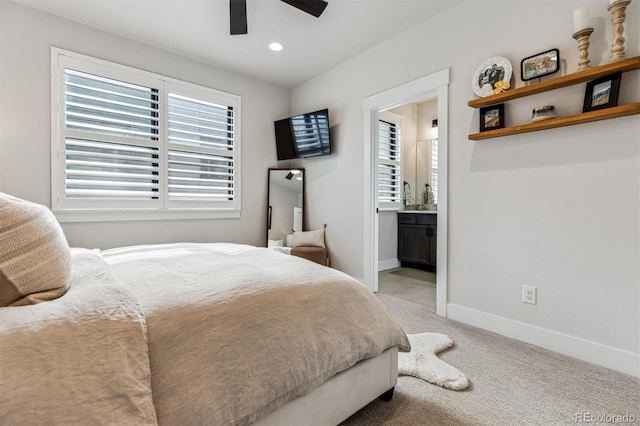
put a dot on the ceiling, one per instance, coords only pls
(199, 30)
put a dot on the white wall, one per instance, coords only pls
(556, 209)
(26, 36)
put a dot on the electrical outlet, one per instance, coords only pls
(529, 294)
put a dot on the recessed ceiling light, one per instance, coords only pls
(275, 46)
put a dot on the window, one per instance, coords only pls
(200, 152)
(389, 161)
(138, 145)
(434, 169)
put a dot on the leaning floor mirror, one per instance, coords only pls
(285, 201)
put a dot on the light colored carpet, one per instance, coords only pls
(512, 383)
(422, 362)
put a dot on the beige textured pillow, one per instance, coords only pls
(35, 259)
(308, 239)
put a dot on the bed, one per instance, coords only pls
(187, 334)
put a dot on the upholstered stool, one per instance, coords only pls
(314, 254)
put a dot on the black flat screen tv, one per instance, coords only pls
(304, 135)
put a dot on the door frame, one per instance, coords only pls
(435, 85)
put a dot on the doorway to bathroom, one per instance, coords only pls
(407, 201)
(407, 96)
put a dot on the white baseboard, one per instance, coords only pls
(383, 265)
(596, 353)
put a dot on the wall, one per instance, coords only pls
(556, 209)
(25, 39)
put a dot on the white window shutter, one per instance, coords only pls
(201, 162)
(390, 161)
(111, 139)
(126, 140)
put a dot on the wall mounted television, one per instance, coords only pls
(303, 135)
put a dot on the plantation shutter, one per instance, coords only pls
(201, 151)
(129, 144)
(389, 162)
(111, 148)
(434, 169)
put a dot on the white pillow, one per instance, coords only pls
(35, 259)
(289, 240)
(308, 239)
(275, 243)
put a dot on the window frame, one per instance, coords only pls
(99, 210)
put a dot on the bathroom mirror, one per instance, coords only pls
(419, 153)
(285, 203)
(426, 171)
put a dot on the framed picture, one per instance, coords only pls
(492, 117)
(602, 93)
(540, 64)
(489, 73)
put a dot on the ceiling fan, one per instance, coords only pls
(238, 12)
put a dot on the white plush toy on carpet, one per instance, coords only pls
(423, 363)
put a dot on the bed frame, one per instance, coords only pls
(342, 395)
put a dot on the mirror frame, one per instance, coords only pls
(268, 209)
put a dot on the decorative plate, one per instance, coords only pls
(492, 71)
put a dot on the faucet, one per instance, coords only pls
(428, 194)
(406, 194)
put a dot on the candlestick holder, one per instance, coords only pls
(582, 37)
(618, 16)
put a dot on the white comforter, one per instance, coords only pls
(77, 360)
(234, 332)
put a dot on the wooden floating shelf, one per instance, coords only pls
(567, 80)
(570, 120)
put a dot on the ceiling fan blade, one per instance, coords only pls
(312, 7)
(238, 16)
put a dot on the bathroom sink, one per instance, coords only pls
(420, 207)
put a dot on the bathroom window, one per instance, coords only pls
(389, 161)
(434, 169)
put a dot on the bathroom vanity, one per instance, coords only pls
(417, 238)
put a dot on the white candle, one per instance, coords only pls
(581, 20)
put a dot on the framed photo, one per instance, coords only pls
(540, 64)
(489, 73)
(492, 117)
(602, 93)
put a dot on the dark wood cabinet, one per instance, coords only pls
(417, 241)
